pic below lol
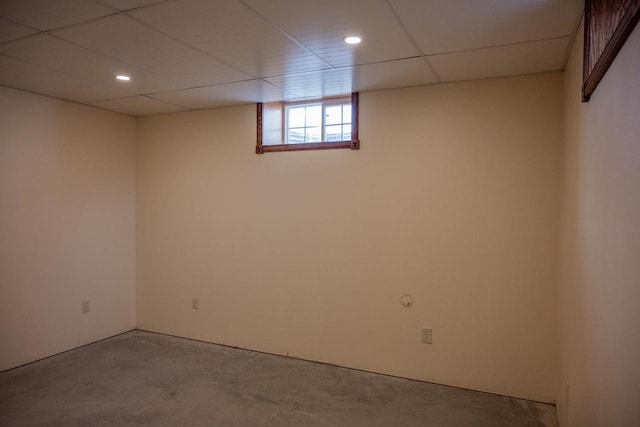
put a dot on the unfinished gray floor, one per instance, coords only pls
(142, 378)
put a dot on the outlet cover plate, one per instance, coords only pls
(427, 335)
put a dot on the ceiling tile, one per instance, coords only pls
(440, 26)
(393, 74)
(11, 31)
(322, 25)
(129, 4)
(337, 81)
(57, 54)
(522, 58)
(340, 81)
(32, 78)
(48, 15)
(132, 42)
(138, 106)
(231, 32)
(223, 95)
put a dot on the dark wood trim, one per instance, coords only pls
(593, 29)
(586, 51)
(306, 146)
(355, 117)
(259, 147)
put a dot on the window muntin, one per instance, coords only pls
(326, 121)
(308, 125)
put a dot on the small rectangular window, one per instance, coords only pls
(308, 125)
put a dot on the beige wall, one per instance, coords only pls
(67, 189)
(599, 301)
(453, 199)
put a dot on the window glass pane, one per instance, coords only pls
(333, 115)
(296, 117)
(346, 113)
(314, 116)
(346, 133)
(334, 133)
(313, 134)
(295, 136)
(272, 123)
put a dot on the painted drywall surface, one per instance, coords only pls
(67, 225)
(453, 199)
(599, 302)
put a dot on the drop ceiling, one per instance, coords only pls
(193, 54)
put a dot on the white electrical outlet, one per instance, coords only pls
(84, 306)
(195, 303)
(426, 335)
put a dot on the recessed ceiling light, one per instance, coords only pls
(352, 40)
(123, 77)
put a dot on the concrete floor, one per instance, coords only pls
(142, 378)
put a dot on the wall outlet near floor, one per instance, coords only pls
(84, 306)
(195, 303)
(426, 335)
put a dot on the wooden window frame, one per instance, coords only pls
(353, 144)
(607, 25)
